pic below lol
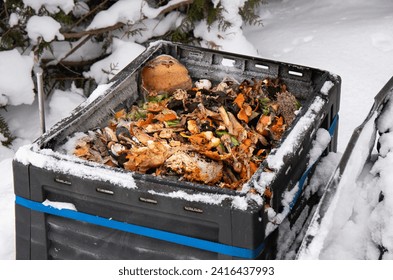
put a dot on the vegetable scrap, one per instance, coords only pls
(216, 135)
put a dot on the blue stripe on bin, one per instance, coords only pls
(144, 231)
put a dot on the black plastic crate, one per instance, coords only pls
(144, 218)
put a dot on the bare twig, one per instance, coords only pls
(175, 6)
(81, 43)
(88, 14)
(98, 31)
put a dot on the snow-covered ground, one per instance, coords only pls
(353, 39)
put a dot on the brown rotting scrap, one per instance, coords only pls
(213, 135)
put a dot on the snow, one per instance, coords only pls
(156, 27)
(66, 164)
(16, 84)
(52, 6)
(7, 221)
(125, 11)
(44, 27)
(60, 50)
(385, 121)
(99, 91)
(122, 54)
(214, 199)
(14, 20)
(320, 143)
(61, 103)
(346, 218)
(322, 173)
(80, 9)
(326, 87)
(59, 205)
(350, 38)
(231, 39)
(238, 202)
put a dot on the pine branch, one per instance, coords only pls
(98, 31)
(176, 6)
(88, 14)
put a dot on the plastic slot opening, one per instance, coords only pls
(148, 200)
(288, 170)
(313, 133)
(105, 191)
(62, 181)
(228, 62)
(295, 73)
(193, 209)
(261, 66)
(195, 54)
(300, 151)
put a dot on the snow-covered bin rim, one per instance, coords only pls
(70, 165)
(39, 157)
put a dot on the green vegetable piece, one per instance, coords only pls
(172, 123)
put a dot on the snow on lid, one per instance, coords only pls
(16, 84)
(276, 161)
(59, 205)
(385, 120)
(99, 91)
(326, 87)
(45, 27)
(52, 6)
(50, 160)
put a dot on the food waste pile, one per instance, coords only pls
(217, 135)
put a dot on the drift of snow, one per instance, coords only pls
(7, 221)
(124, 11)
(52, 6)
(59, 205)
(44, 27)
(66, 164)
(122, 54)
(349, 38)
(61, 104)
(16, 84)
(346, 219)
